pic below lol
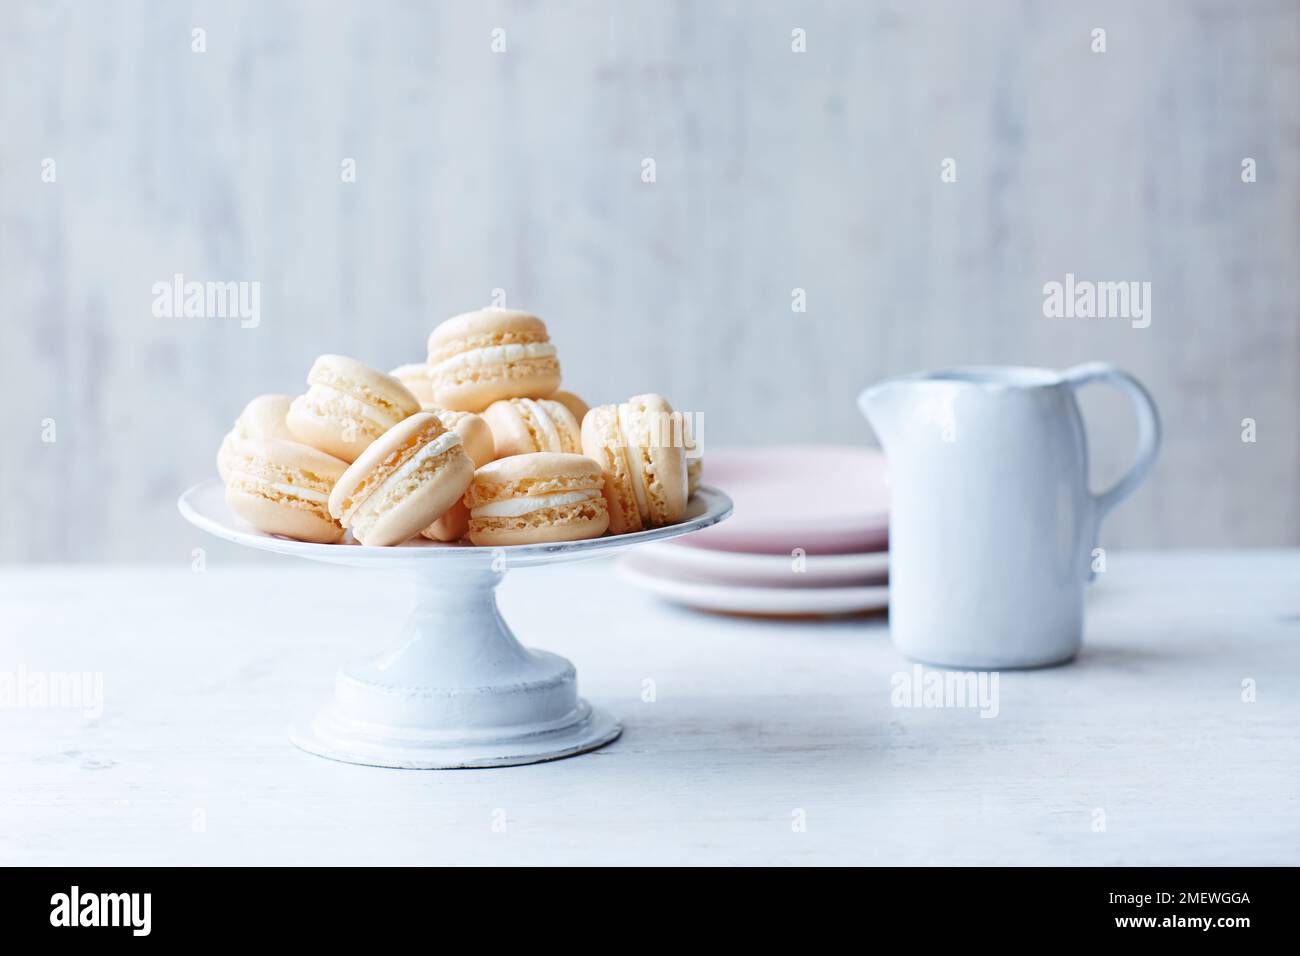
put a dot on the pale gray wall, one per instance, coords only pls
(522, 171)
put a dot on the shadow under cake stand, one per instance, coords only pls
(455, 688)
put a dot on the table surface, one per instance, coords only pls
(745, 742)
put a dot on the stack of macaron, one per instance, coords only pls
(476, 443)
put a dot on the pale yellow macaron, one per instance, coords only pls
(576, 406)
(283, 487)
(530, 499)
(452, 526)
(473, 431)
(639, 446)
(523, 425)
(263, 417)
(415, 376)
(694, 473)
(694, 456)
(407, 479)
(481, 357)
(477, 438)
(347, 406)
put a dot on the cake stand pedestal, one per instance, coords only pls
(455, 688)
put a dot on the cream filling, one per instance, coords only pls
(306, 494)
(550, 435)
(497, 354)
(631, 453)
(355, 406)
(516, 507)
(443, 443)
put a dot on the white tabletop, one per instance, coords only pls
(1141, 752)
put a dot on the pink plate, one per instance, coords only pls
(826, 499)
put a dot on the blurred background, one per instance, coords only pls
(521, 170)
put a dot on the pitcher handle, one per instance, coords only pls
(1148, 422)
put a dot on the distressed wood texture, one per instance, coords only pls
(521, 171)
(750, 723)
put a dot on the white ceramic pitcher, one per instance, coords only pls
(992, 523)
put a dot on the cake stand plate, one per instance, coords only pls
(455, 688)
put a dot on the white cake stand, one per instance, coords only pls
(455, 688)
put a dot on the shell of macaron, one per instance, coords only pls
(576, 406)
(347, 406)
(415, 376)
(521, 426)
(477, 439)
(263, 417)
(638, 445)
(694, 457)
(481, 357)
(536, 498)
(452, 526)
(473, 431)
(283, 487)
(408, 478)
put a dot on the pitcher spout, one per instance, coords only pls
(882, 406)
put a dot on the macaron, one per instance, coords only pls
(452, 526)
(694, 457)
(524, 425)
(536, 498)
(263, 417)
(639, 446)
(477, 438)
(481, 357)
(403, 482)
(473, 431)
(347, 406)
(283, 487)
(573, 403)
(415, 377)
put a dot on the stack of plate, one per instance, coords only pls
(809, 536)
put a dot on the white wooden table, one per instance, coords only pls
(754, 727)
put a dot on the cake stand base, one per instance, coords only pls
(456, 689)
(328, 736)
